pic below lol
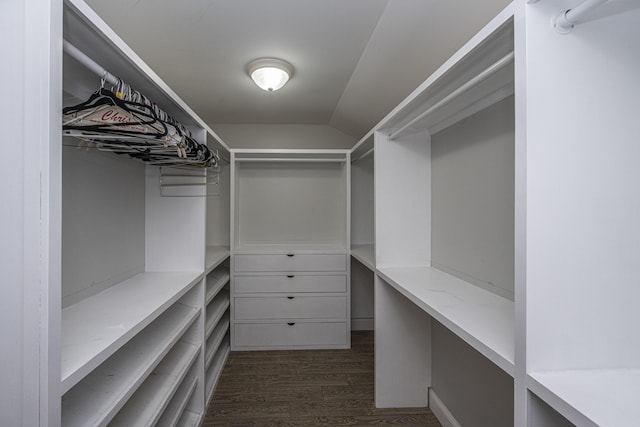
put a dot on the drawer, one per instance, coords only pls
(290, 283)
(291, 262)
(290, 334)
(290, 307)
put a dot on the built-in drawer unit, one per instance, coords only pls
(291, 334)
(290, 300)
(290, 283)
(290, 262)
(291, 307)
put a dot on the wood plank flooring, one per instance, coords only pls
(305, 388)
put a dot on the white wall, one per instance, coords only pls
(283, 136)
(472, 173)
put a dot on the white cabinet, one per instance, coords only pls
(290, 281)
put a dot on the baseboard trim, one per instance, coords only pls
(362, 324)
(440, 411)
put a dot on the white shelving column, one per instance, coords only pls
(362, 234)
(583, 200)
(423, 275)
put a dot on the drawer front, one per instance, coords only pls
(290, 283)
(291, 307)
(290, 335)
(286, 263)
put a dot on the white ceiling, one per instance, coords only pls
(354, 60)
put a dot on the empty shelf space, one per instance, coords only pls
(365, 254)
(482, 319)
(214, 256)
(93, 329)
(148, 403)
(215, 311)
(216, 281)
(214, 371)
(599, 397)
(213, 342)
(176, 407)
(99, 396)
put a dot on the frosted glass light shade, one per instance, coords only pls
(270, 74)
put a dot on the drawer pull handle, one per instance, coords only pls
(290, 297)
(290, 255)
(290, 276)
(291, 323)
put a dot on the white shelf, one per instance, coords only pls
(599, 397)
(214, 371)
(189, 419)
(365, 254)
(215, 311)
(213, 342)
(174, 410)
(214, 256)
(148, 403)
(482, 319)
(218, 281)
(93, 329)
(98, 397)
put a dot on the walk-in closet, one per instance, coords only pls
(468, 260)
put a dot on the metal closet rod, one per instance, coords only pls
(565, 22)
(92, 65)
(488, 72)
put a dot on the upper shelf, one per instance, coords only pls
(477, 76)
(84, 29)
(483, 319)
(94, 328)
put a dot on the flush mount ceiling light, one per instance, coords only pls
(269, 73)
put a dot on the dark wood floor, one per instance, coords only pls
(305, 388)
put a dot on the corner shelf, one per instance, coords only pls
(219, 280)
(483, 319)
(215, 311)
(214, 256)
(365, 254)
(90, 331)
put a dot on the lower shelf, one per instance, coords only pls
(148, 403)
(189, 419)
(98, 397)
(177, 406)
(215, 369)
(607, 397)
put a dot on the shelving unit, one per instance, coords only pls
(533, 317)
(135, 284)
(290, 244)
(441, 253)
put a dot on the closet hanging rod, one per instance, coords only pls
(565, 22)
(80, 56)
(488, 72)
(363, 155)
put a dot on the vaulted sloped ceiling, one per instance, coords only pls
(354, 60)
